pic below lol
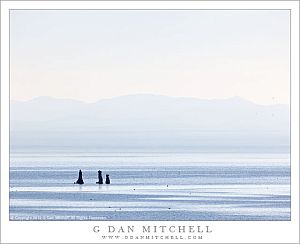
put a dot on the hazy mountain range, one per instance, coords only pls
(149, 121)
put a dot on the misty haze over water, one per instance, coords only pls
(150, 122)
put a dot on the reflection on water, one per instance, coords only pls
(151, 187)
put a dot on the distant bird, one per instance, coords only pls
(107, 180)
(100, 179)
(80, 180)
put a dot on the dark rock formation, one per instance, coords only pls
(80, 180)
(107, 181)
(100, 179)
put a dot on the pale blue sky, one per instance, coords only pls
(90, 55)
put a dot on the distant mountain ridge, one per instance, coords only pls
(148, 120)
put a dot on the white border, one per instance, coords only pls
(81, 232)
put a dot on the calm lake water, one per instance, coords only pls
(150, 186)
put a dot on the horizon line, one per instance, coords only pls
(148, 94)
